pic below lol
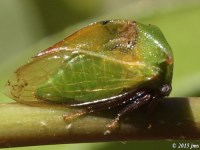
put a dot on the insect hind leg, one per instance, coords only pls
(133, 104)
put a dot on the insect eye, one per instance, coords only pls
(166, 89)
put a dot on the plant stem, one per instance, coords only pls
(23, 125)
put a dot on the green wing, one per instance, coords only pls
(85, 77)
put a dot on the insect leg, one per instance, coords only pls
(104, 105)
(135, 103)
(152, 105)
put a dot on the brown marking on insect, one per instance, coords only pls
(126, 36)
(8, 83)
(169, 60)
(128, 31)
(15, 87)
(18, 86)
(16, 97)
(155, 77)
(105, 22)
(15, 91)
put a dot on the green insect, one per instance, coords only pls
(103, 65)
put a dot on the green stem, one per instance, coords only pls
(22, 125)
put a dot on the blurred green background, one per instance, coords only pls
(29, 26)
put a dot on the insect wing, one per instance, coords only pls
(23, 83)
(85, 77)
